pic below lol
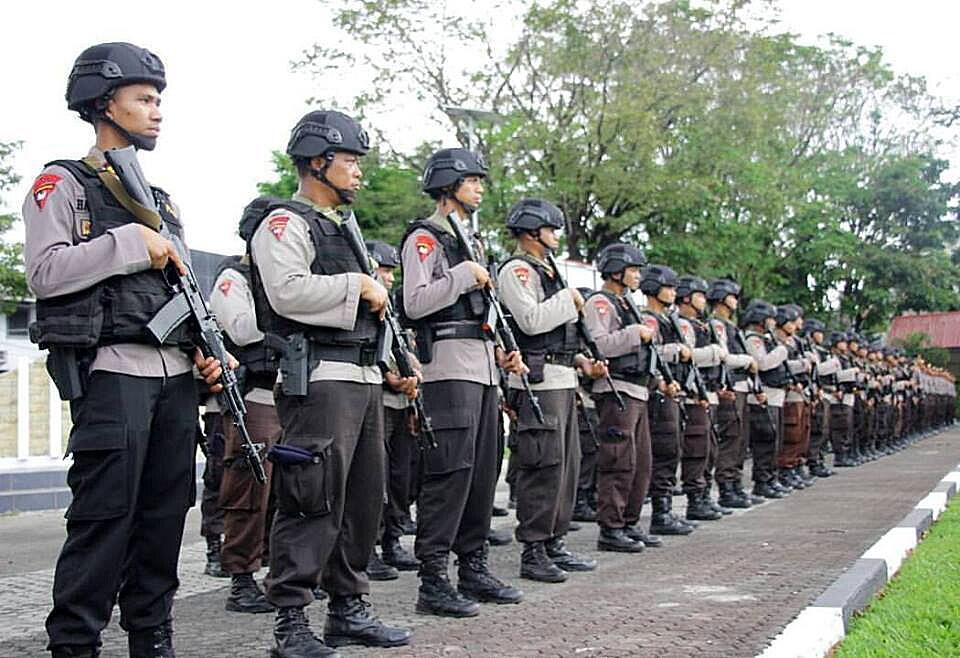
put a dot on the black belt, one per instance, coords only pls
(560, 358)
(639, 380)
(449, 331)
(361, 355)
(260, 380)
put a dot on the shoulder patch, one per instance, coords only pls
(425, 244)
(277, 225)
(522, 273)
(602, 305)
(652, 323)
(224, 287)
(43, 187)
(756, 342)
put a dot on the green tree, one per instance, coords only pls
(920, 344)
(13, 283)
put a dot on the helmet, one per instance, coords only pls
(812, 326)
(796, 308)
(720, 288)
(321, 132)
(689, 284)
(102, 68)
(447, 166)
(619, 256)
(655, 277)
(837, 337)
(853, 337)
(758, 311)
(384, 254)
(531, 214)
(787, 313)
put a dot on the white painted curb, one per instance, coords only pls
(892, 548)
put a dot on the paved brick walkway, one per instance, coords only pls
(724, 591)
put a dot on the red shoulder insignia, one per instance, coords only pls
(522, 274)
(603, 306)
(225, 286)
(425, 244)
(651, 322)
(43, 187)
(277, 225)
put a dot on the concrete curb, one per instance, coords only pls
(822, 624)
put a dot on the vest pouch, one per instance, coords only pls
(73, 320)
(130, 302)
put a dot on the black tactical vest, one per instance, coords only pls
(561, 342)
(667, 333)
(117, 309)
(259, 360)
(775, 377)
(701, 332)
(333, 256)
(824, 354)
(734, 345)
(469, 307)
(633, 367)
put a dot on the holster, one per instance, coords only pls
(69, 369)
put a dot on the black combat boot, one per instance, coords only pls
(291, 632)
(767, 490)
(820, 470)
(377, 569)
(350, 621)
(478, 583)
(437, 596)
(582, 511)
(408, 525)
(500, 511)
(636, 534)
(663, 522)
(75, 651)
(499, 537)
(730, 499)
(842, 459)
(787, 479)
(246, 596)
(698, 510)
(213, 567)
(752, 498)
(397, 556)
(807, 479)
(562, 556)
(156, 642)
(617, 540)
(535, 565)
(712, 504)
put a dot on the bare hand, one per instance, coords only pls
(405, 385)
(373, 292)
(646, 333)
(577, 298)
(512, 362)
(479, 273)
(592, 368)
(160, 250)
(210, 370)
(685, 353)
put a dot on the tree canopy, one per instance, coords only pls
(13, 282)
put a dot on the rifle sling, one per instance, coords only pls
(106, 175)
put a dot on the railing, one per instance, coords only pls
(39, 428)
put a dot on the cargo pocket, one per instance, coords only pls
(538, 443)
(100, 475)
(792, 413)
(304, 490)
(616, 452)
(454, 449)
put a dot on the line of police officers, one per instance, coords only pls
(677, 388)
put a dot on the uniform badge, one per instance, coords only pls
(756, 343)
(603, 307)
(651, 322)
(225, 287)
(522, 274)
(425, 245)
(43, 187)
(277, 225)
(85, 228)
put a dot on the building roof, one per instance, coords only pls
(943, 328)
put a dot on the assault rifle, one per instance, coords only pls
(188, 304)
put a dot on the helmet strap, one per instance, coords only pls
(138, 141)
(346, 196)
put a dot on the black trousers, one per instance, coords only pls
(211, 516)
(401, 475)
(459, 475)
(328, 512)
(766, 428)
(133, 479)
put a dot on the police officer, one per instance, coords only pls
(732, 414)
(827, 368)
(842, 402)
(624, 454)
(443, 302)
(244, 501)
(543, 317)
(766, 419)
(659, 284)
(400, 443)
(308, 286)
(211, 516)
(133, 402)
(794, 442)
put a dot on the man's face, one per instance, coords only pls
(385, 274)
(698, 301)
(769, 324)
(667, 295)
(732, 302)
(841, 346)
(817, 337)
(136, 109)
(631, 277)
(549, 237)
(343, 171)
(470, 191)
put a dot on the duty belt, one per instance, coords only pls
(560, 358)
(361, 355)
(639, 380)
(451, 330)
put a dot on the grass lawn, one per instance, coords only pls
(917, 615)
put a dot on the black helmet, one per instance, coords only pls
(758, 311)
(812, 326)
(720, 288)
(321, 132)
(585, 291)
(102, 68)
(531, 214)
(853, 337)
(617, 257)
(689, 284)
(837, 337)
(786, 313)
(655, 277)
(384, 254)
(447, 167)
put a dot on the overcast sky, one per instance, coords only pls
(232, 97)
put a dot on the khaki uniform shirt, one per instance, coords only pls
(757, 347)
(61, 258)
(735, 362)
(613, 339)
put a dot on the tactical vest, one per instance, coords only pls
(775, 377)
(561, 343)
(667, 334)
(734, 345)
(333, 255)
(259, 360)
(635, 366)
(701, 332)
(117, 309)
(824, 354)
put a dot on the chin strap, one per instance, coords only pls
(346, 196)
(138, 141)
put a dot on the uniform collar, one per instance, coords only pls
(519, 251)
(331, 213)
(441, 222)
(96, 154)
